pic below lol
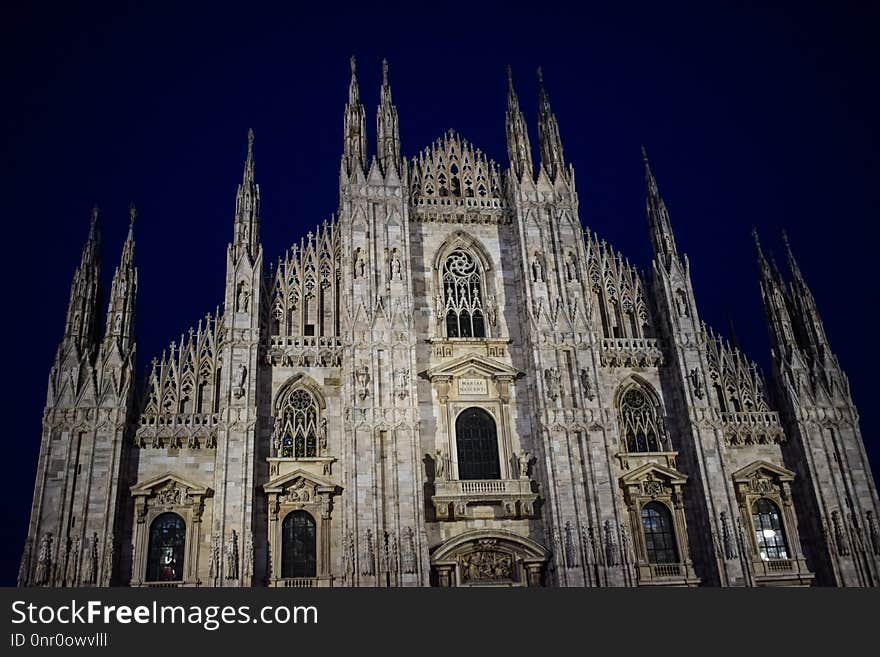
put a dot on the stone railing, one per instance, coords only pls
(782, 572)
(752, 428)
(324, 581)
(457, 499)
(667, 574)
(630, 352)
(188, 430)
(304, 351)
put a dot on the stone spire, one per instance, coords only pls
(355, 148)
(123, 292)
(518, 148)
(247, 206)
(662, 237)
(82, 319)
(813, 329)
(775, 306)
(548, 134)
(387, 130)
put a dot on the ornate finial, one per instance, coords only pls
(785, 239)
(384, 72)
(95, 212)
(353, 65)
(132, 214)
(540, 76)
(509, 75)
(250, 138)
(645, 156)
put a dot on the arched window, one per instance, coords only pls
(299, 425)
(463, 296)
(477, 444)
(659, 533)
(165, 553)
(768, 530)
(298, 545)
(640, 422)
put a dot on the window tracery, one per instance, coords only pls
(463, 296)
(300, 429)
(641, 426)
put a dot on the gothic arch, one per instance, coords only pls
(299, 381)
(460, 240)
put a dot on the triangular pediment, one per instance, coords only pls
(278, 484)
(147, 487)
(656, 470)
(472, 365)
(763, 466)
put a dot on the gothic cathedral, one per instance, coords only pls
(451, 383)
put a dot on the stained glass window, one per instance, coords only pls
(477, 444)
(640, 422)
(165, 553)
(659, 533)
(463, 296)
(299, 425)
(298, 545)
(768, 530)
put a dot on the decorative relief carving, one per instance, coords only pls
(486, 565)
(368, 556)
(401, 383)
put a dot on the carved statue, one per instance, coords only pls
(368, 563)
(44, 560)
(91, 575)
(697, 383)
(249, 557)
(360, 264)
(240, 378)
(362, 379)
(681, 303)
(242, 299)
(587, 384)
(440, 466)
(395, 266)
(523, 461)
(537, 270)
(401, 379)
(727, 538)
(72, 563)
(24, 567)
(109, 562)
(408, 553)
(553, 380)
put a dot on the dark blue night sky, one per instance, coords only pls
(752, 117)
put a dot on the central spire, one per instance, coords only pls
(355, 146)
(519, 149)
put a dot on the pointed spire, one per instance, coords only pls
(387, 128)
(519, 149)
(247, 206)
(123, 292)
(81, 326)
(805, 304)
(775, 303)
(355, 145)
(662, 237)
(548, 134)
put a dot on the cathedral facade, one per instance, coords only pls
(450, 383)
